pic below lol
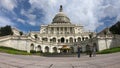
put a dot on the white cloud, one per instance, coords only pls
(85, 12)
(33, 23)
(21, 20)
(8, 4)
(31, 17)
(5, 21)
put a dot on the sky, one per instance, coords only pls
(28, 15)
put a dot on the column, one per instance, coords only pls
(67, 30)
(53, 30)
(73, 30)
(59, 30)
(63, 30)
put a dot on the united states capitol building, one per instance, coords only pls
(60, 36)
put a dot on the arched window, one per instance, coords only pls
(45, 39)
(71, 40)
(54, 39)
(79, 39)
(55, 49)
(32, 46)
(39, 48)
(62, 40)
(83, 38)
(46, 49)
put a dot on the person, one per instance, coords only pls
(90, 51)
(79, 49)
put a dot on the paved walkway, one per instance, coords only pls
(21, 61)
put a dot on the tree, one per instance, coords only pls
(115, 29)
(7, 30)
(21, 33)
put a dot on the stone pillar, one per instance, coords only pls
(76, 39)
(48, 39)
(53, 30)
(59, 30)
(63, 30)
(48, 30)
(73, 30)
(67, 30)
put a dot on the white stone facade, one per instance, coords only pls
(61, 32)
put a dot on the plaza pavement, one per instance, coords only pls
(21, 61)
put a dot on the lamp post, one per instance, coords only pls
(91, 37)
(105, 33)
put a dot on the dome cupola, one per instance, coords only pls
(60, 17)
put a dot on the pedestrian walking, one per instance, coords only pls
(79, 49)
(90, 51)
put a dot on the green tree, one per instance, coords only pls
(115, 29)
(21, 33)
(7, 30)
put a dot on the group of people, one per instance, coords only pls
(90, 50)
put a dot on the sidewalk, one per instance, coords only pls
(21, 61)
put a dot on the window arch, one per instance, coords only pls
(39, 48)
(44, 39)
(46, 49)
(54, 39)
(71, 40)
(62, 40)
(79, 39)
(32, 46)
(55, 49)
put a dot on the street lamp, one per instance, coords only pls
(105, 33)
(91, 36)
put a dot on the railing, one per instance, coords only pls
(15, 37)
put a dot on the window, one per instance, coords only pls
(65, 29)
(57, 29)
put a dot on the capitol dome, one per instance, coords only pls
(61, 17)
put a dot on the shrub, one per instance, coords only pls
(111, 50)
(32, 51)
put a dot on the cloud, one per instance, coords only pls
(32, 23)
(89, 13)
(8, 4)
(5, 21)
(21, 20)
(31, 17)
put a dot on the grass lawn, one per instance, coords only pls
(13, 51)
(111, 50)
